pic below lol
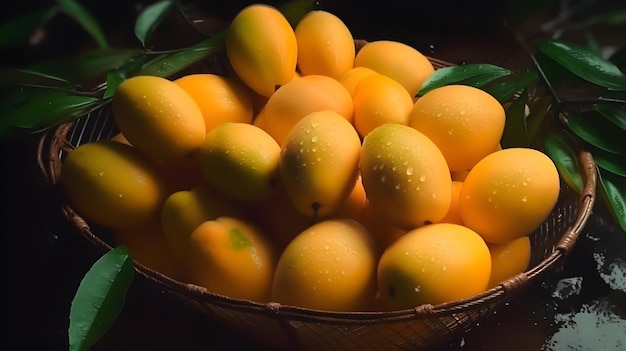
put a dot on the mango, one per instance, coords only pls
(405, 175)
(261, 48)
(319, 162)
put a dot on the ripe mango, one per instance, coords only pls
(262, 49)
(405, 175)
(319, 162)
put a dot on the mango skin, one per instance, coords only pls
(159, 118)
(319, 162)
(113, 184)
(262, 49)
(405, 175)
(325, 45)
(329, 266)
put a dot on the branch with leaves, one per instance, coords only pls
(597, 124)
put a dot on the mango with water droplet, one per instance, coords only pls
(240, 160)
(329, 266)
(509, 193)
(319, 162)
(232, 257)
(405, 175)
(159, 118)
(325, 45)
(261, 48)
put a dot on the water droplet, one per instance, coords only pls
(450, 131)
(423, 178)
(120, 195)
(314, 149)
(318, 159)
(382, 179)
(314, 139)
(314, 125)
(329, 43)
(433, 195)
(494, 192)
(524, 199)
(397, 186)
(418, 288)
(388, 143)
(100, 174)
(343, 272)
(409, 171)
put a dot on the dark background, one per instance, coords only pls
(43, 259)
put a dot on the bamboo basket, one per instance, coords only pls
(285, 327)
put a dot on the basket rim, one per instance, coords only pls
(52, 141)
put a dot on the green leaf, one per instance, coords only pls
(23, 77)
(593, 45)
(585, 64)
(99, 298)
(463, 73)
(515, 133)
(614, 114)
(150, 18)
(615, 163)
(117, 76)
(87, 65)
(614, 17)
(295, 10)
(555, 74)
(557, 147)
(597, 131)
(19, 29)
(613, 191)
(47, 108)
(169, 64)
(505, 90)
(538, 117)
(85, 19)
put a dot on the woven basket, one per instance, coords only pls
(289, 328)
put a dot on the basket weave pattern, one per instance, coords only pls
(288, 327)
